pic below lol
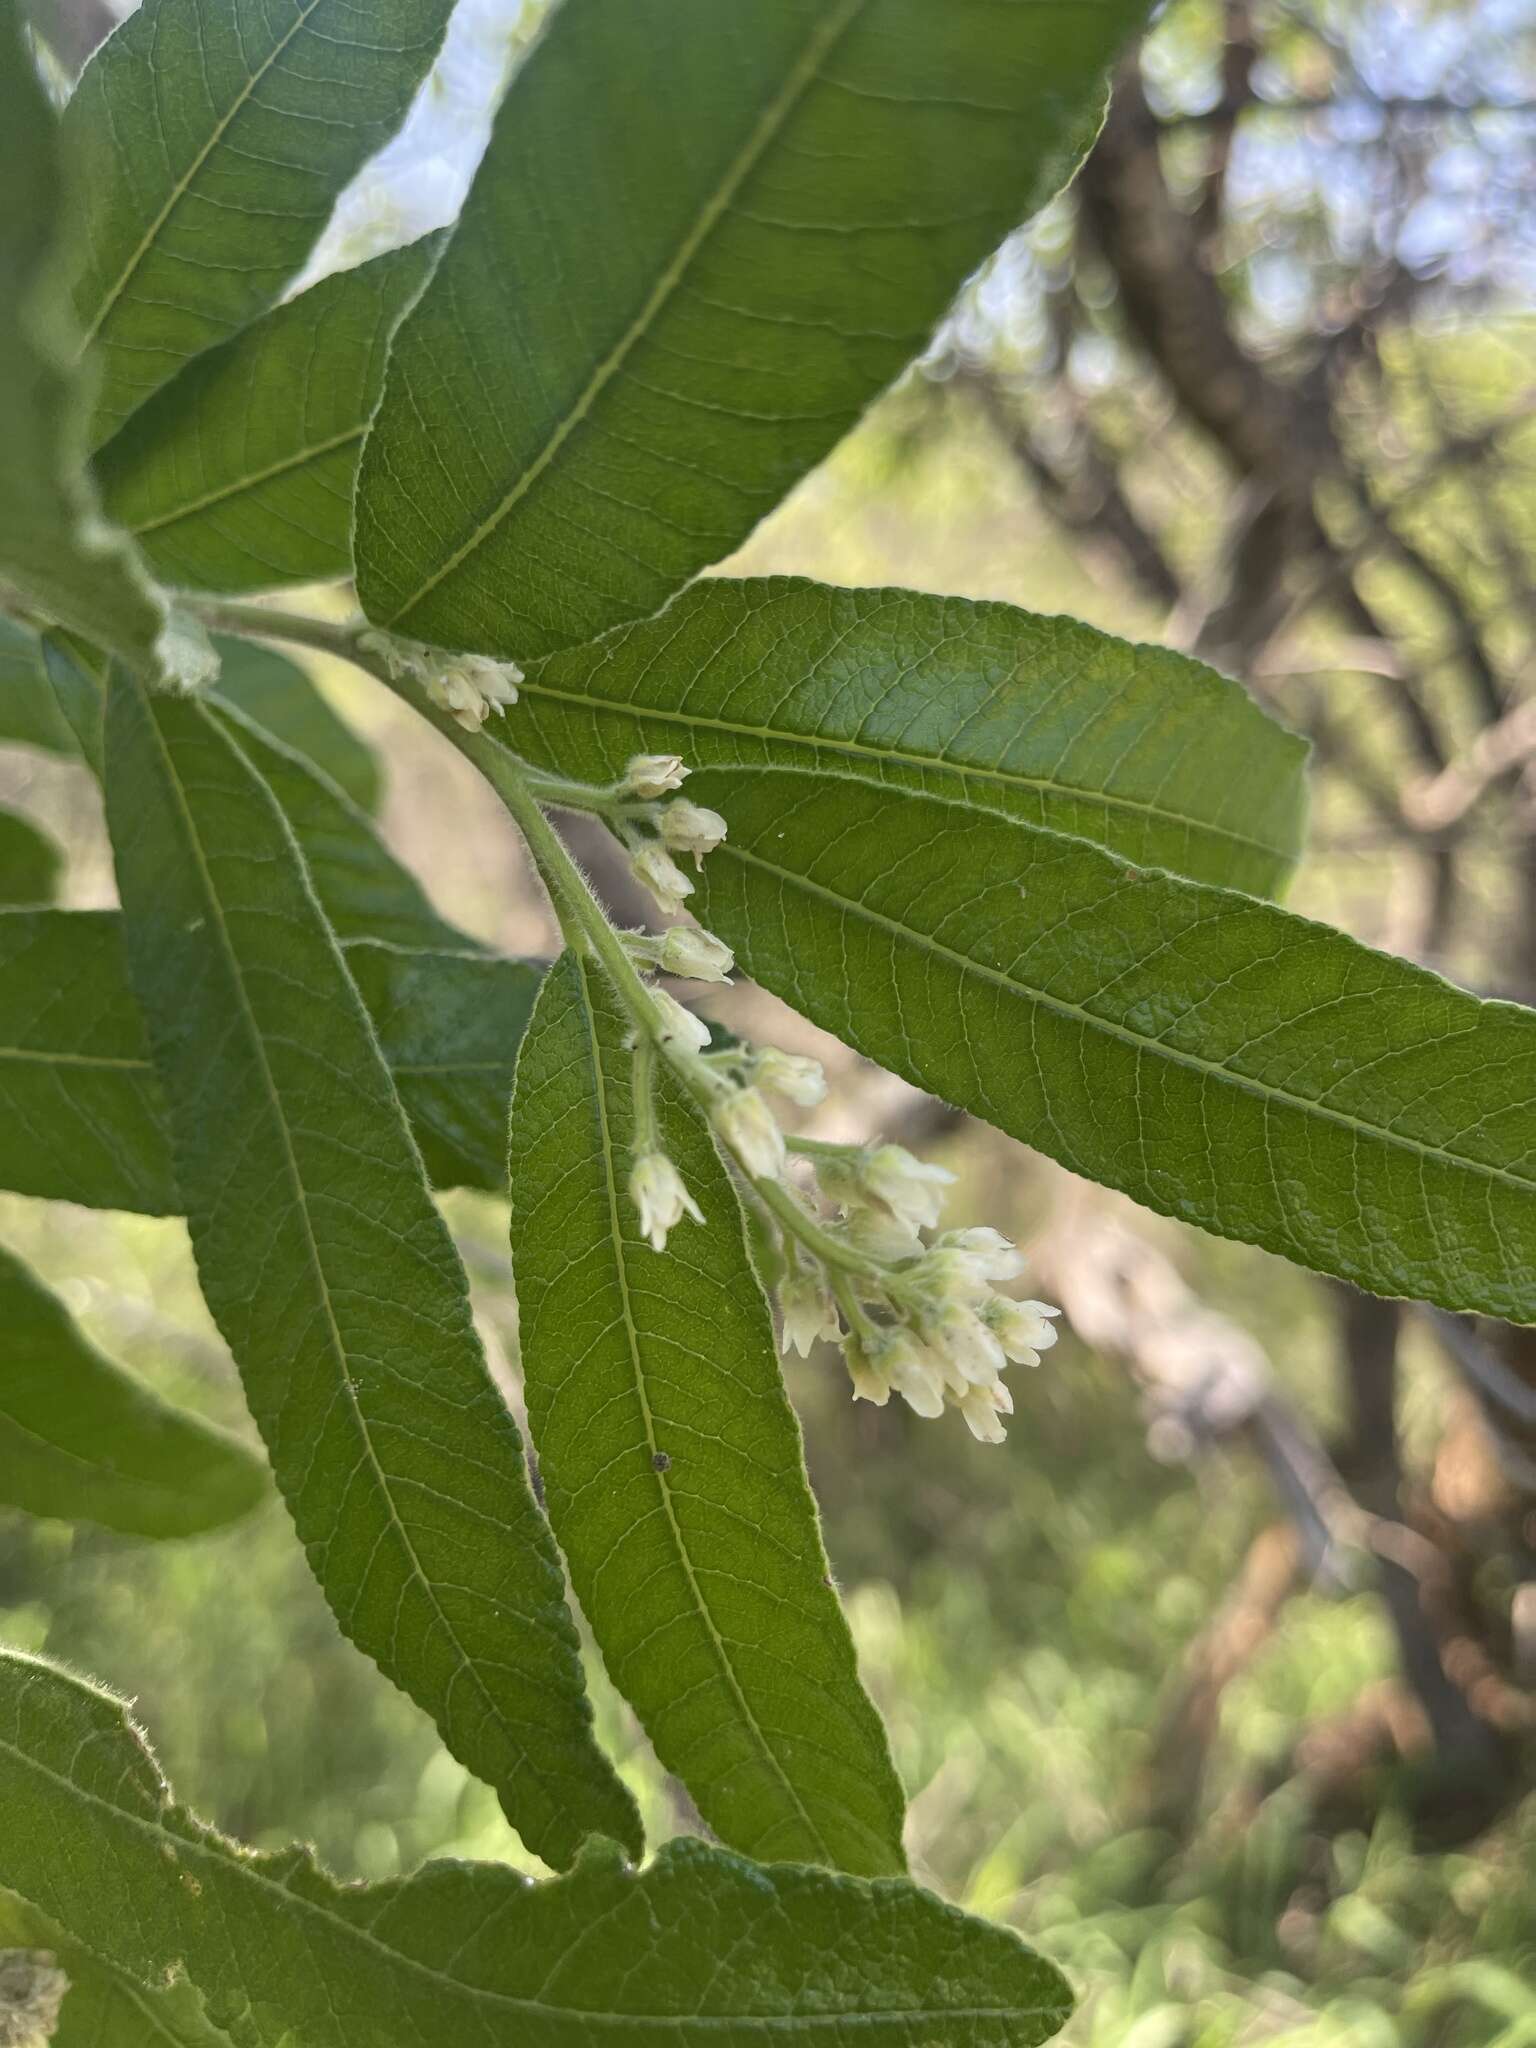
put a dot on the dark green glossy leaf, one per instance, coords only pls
(104, 2007)
(238, 475)
(82, 1111)
(1217, 1058)
(671, 1460)
(29, 717)
(210, 139)
(30, 862)
(1144, 750)
(699, 1948)
(58, 560)
(333, 1279)
(84, 1441)
(277, 695)
(647, 327)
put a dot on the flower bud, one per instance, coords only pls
(697, 955)
(794, 1075)
(678, 1025)
(882, 1237)
(654, 869)
(993, 1257)
(750, 1130)
(808, 1313)
(869, 1384)
(689, 828)
(964, 1342)
(653, 775)
(910, 1188)
(915, 1374)
(980, 1409)
(657, 1190)
(1021, 1328)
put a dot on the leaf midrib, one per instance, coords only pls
(183, 184)
(819, 44)
(1076, 1013)
(565, 2015)
(663, 1485)
(928, 764)
(338, 1348)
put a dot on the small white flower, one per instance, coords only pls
(912, 1189)
(965, 1344)
(653, 775)
(749, 1128)
(454, 693)
(980, 1409)
(881, 1237)
(808, 1312)
(915, 1374)
(689, 828)
(869, 1384)
(698, 955)
(794, 1075)
(654, 869)
(994, 1257)
(496, 681)
(656, 1188)
(1021, 1328)
(679, 1024)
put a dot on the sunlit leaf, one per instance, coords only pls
(1142, 749)
(702, 239)
(699, 1948)
(671, 1461)
(333, 1279)
(1217, 1058)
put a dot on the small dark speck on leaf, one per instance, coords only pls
(660, 1462)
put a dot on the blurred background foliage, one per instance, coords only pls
(1219, 1684)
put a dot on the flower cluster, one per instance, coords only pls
(922, 1319)
(681, 827)
(469, 687)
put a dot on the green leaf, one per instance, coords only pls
(82, 1111)
(77, 675)
(30, 862)
(671, 1460)
(646, 328)
(58, 560)
(449, 1025)
(363, 889)
(277, 695)
(1217, 1058)
(79, 1103)
(104, 2007)
(334, 1281)
(1143, 750)
(29, 717)
(83, 1441)
(699, 1948)
(238, 475)
(209, 139)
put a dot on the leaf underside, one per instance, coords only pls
(1218, 1059)
(671, 1460)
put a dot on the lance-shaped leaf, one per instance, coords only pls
(30, 862)
(334, 1281)
(84, 1441)
(209, 139)
(58, 560)
(29, 717)
(591, 402)
(671, 1460)
(1217, 1058)
(277, 695)
(104, 2007)
(1142, 749)
(238, 475)
(699, 1948)
(82, 1111)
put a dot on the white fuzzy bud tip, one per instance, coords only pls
(912, 1189)
(794, 1075)
(654, 869)
(689, 828)
(653, 775)
(749, 1128)
(656, 1188)
(680, 1026)
(699, 956)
